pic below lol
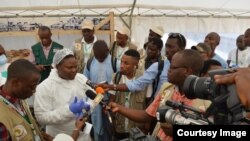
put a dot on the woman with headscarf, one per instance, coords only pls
(54, 95)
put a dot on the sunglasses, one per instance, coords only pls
(176, 35)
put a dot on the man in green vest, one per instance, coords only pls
(43, 52)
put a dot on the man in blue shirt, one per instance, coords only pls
(99, 69)
(175, 43)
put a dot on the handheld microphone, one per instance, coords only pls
(91, 84)
(97, 99)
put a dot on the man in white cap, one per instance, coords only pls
(121, 45)
(54, 95)
(83, 46)
(155, 32)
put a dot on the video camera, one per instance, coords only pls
(226, 107)
(185, 115)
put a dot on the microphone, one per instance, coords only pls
(97, 99)
(91, 84)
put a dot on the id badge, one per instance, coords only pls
(37, 138)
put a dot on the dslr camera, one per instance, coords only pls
(226, 107)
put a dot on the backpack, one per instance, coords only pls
(113, 63)
(113, 58)
(117, 77)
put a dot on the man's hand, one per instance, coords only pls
(80, 123)
(105, 86)
(114, 107)
(167, 128)
(40, 67)
(241, 78)
(47, 137)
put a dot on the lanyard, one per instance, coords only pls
(12, 106)
(24, 115)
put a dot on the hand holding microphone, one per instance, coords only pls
(97, 99)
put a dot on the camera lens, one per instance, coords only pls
(197, 87)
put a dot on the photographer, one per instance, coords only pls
(183, 64)
(241, 77)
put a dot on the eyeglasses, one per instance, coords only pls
(174, 68)
(177, 35)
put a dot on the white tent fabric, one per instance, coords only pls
(141, 7)
(193, 18)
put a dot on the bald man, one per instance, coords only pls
(213, 39)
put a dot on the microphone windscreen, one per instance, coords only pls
(99, 90)
(90, 94)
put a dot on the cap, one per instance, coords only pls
(60, 55)
(124, 30)
(87, 24)
(202, 47)
(63, 137)
(158, 30)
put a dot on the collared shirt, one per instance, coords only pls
(202, 105)
(46, 51)
(221, 60)
(4, 134)
(153, 107)
(87, 48)
(148, 77)
(121, 51)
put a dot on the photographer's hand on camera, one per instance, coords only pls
(241, 78)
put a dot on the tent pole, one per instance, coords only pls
(130, 16)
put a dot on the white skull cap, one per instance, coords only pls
(63, 137)
(158, 30)
(60, 55)
(123, 30)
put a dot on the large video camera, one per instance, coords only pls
(185, 115)
(226, 107)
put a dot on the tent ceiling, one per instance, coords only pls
(53, 8)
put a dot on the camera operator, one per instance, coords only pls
(241, 78)
(183, 64)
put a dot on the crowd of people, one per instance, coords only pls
(137, 81)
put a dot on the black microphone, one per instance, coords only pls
(91, 84)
